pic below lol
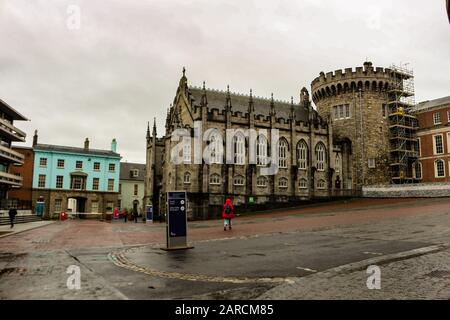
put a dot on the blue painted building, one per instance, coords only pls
(73, 179)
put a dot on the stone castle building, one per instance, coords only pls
(362, 105)
(350, 141)
(310, 165)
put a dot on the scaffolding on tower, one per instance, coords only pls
(402, 126)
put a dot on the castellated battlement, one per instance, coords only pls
(350, 80)
(242, 118)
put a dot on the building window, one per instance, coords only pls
(261, 151)
(214, 179)
(303, 184)
(320, 156)
(239, 149)
(41, 181)
(302, 150)
(448, 115)
(112, 167)
(78, 183)
(261, 182)
(94, 206)
(337, 163)
(283, 183)
(120, 188)
(58, 205)
(136, 189)
(384, 110)
(448, 142)
(59, 182)
(110, 184)
(341, 112)
(418, 170)
(96, 166)
(187, 149)
(216, 152)
(95, 183)
(321, 184)
(437, 118)
(283, 153)
(187, 178)
(134, 173)
(438, 145)
(60, 163)
(371, 163)
(439, 168)
(239, 181)
(79, 165)
(43, 162)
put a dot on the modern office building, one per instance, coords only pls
(9, 133)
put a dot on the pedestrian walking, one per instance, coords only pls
(227, 214)
(124, 215)
(12, 215)
(135, 215)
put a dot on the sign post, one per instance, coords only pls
(176, 227)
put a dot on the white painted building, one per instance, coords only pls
(131, 186)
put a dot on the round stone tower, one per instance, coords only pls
(356, 102)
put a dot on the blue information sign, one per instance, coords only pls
(149, 213)
(177, 219)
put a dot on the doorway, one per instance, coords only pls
(76, 205)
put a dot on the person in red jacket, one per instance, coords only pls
(227, 214)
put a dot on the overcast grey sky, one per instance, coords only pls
(122, 66)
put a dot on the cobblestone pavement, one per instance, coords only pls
(423, 277)
(6, 230)
(319, 251)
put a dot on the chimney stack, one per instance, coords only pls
(86, 144)
(114, 145)
(35, 138)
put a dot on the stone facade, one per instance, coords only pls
(365, 129)
(417, 190)
(105, 201)
(304, 136)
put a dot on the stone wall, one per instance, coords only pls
(366, 128)
(418, 190)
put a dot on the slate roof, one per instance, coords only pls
(126, 167)
(239, 102)
(94, 152)
(444, 101)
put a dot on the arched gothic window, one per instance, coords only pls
(302, 154)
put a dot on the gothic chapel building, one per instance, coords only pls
(309, 164)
